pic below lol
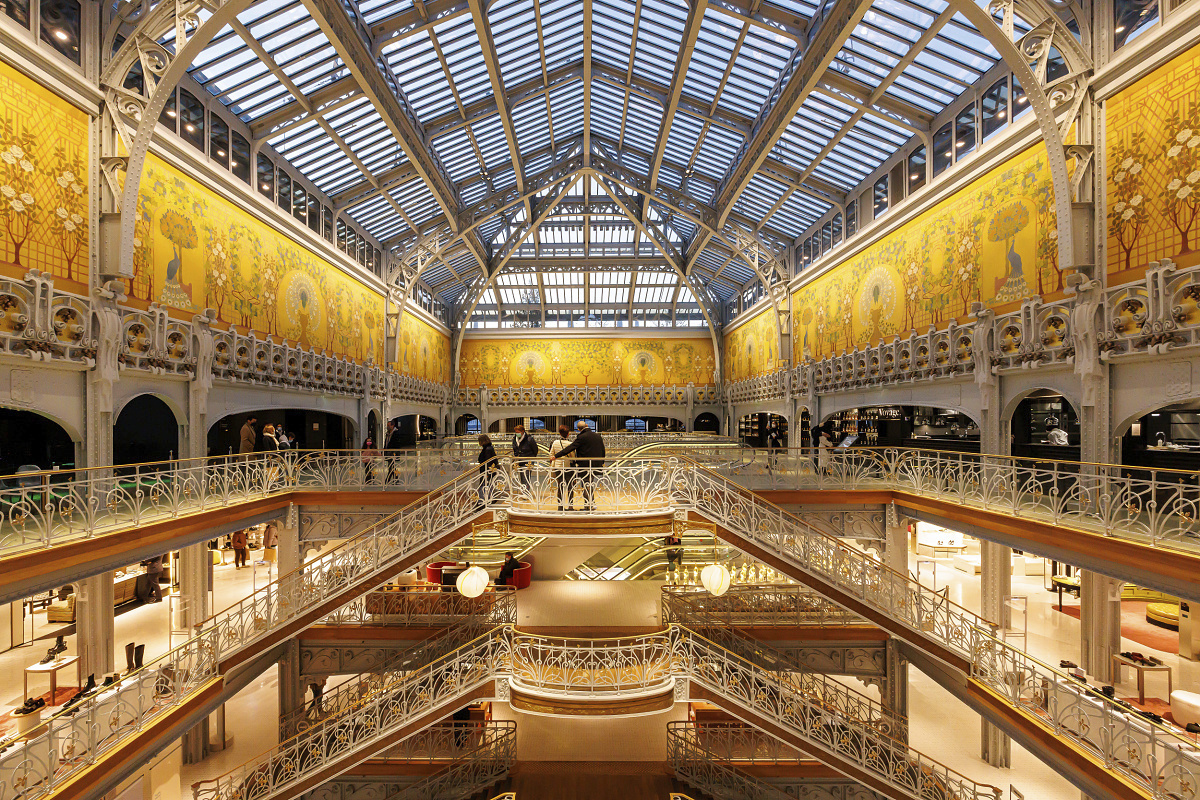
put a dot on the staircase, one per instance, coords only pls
(400, 704)
(158, 702)
(1096, 744)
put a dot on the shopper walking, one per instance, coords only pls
(588, 448)
(487, 469)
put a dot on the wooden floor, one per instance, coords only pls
(575, 780)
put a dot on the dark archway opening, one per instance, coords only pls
(31, 440)
(1033, 422)
(707, 423)
(467, 425)
(146, 430)
(413, 428)
(314, 430)
(754, 428)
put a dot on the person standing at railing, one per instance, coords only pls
(248, 436)
(487, 468)
(588, 448)
(392, 443)
(774, 446)
(824, 444)
(564, 476)
(524, 449)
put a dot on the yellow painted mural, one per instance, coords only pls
(587, 361)
(1153, 166)
(195, 250)
(43, 183)
(994, 242)
(424, 350)
(753, 348)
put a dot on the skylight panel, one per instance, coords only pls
(759, 196)
(607, 108)
(644, 120)
(532, 124)
(457, 155)
(660, 31)
(685, 132)
(566, 110)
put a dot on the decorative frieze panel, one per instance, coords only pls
(661, 395)
(325, 525)
(43, 324)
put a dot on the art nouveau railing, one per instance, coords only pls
(635, 485)
(586, 669)
(827, 693)
(749, 605)
(774, 698)
(38, 764)
(424, 606)
(1161, 762)
(1160, 507)
(399, 699)
(482, 753)
(707, 757)
(44, 509)
(591, 667)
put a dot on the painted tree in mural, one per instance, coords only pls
(1181, 197)
(18, 206)
(1127, 213)
(1050, 277)
(220, 270)
(915, 261)
(1007, 222)
(270, 291)
(181, 232)
(68, 220)
(247, 283)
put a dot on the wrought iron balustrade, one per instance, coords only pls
(1160, 761)
(38, 763)
(596, 667)
(483, 753)
(707, 756)
(426, 606)
(755, 605)
(397, 699)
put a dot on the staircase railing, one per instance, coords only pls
(399, 699)
(1160, 761)
(774, 699)
(350, 694)
(834, 696)
(73, 739)
(492, 753)
(705, 756)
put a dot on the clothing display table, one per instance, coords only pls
(52, 669)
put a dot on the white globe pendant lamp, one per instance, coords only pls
(715, 579)
(472, 581)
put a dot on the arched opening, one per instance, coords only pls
(313, 430)
(412, 428)
(1044, 425)
(145, 430)
(707, 423)
(467, 425)
(373, 432)
(919, 427)
(32, 441)
(1167, 438)
(753, 429)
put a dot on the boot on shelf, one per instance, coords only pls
(91, 683)
(138, 652)
(129, 648)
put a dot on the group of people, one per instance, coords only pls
(273, 438)
(572, 463)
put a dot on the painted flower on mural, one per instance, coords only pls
(1179, 200)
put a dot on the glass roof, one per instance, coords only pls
(667, 125)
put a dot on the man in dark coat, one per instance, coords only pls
(249, 439)
(588, 448)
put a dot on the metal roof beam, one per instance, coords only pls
(483, 31)
(287, 116)
(419, 17)
(687, 46)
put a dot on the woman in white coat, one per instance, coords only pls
(564, 476)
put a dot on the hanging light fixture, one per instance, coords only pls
(472, 581)
(715, 579)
